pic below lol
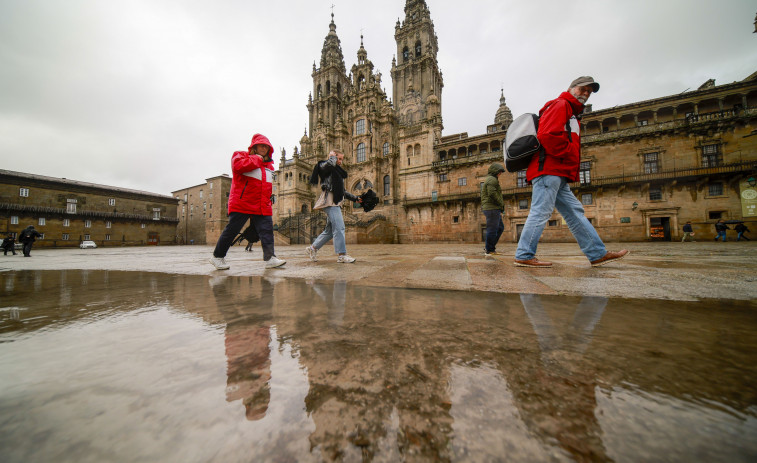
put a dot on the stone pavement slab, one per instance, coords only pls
(676, 271)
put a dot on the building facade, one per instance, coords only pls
(67, 212)
(203, 211)
(646, 167)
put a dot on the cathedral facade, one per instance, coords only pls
(646, 167)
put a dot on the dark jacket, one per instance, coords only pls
(559, 135)
(29, 235)
(687, 228)
(491, 191)
(720, 226)
(741, 228)
(331, 177)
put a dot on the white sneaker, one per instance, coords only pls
(312, 253)
(219, 263)
(274, 262)
(345, 259)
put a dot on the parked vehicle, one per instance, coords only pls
(88, 244)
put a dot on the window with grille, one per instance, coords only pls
(360, 127)
(65, 237)
(651, 163)
(587, 199)
(386, 186)
(523, 204)
(71, 206)
(385, 150)
(86, 237)
(156, 213)
(442, 177)
(521, 178)
(24, 192)
(655, 193)
(584, 173)
(462, 181)
(14, 220)
(112, 201)
(716, 189)
(710, 156)
(361, 152)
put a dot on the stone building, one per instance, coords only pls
(203, 210)
(67, 212)
(647, 167)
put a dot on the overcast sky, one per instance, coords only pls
(156, 94)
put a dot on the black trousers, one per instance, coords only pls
(28, 248)
(263, 225)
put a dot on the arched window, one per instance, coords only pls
(409, 150)
(360, 82)
(361, 152)
(385, 151)
(328, 87)
(386, 185)
(417, 150)
(318, 92)
(360, 127)
(405, 54)
(368, 184)
(339, 89)
(304, 209)
(418, 49)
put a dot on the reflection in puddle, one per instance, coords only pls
(117, 366)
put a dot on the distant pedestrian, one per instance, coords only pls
(688, 232)
(492, 205)
(741, 229)
(250, 199)
(721, 227)
(27, 237)
(551, 170)
(9, 244)
(331, 175)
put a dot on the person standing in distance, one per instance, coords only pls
(250, 199)
(551, 170)
(492, 205)
(331, 175)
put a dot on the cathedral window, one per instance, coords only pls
(418, 49)
(405, 54)
(360, 127)
(386, 185)
(328, 87)
(409, 150)
(385, 150)
(361, 152)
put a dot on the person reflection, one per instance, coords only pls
(334, 300)
(245, 305)
(557, 394)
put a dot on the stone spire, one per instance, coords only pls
(331, 54)
(504, 116)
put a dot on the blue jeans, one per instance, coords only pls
(334, 229)
(720, 233)
(494, 229)
(550, 192)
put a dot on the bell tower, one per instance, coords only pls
(417, 80)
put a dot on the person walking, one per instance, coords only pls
(492, 205)
(27, 237)
(250, 199)
(331, 175)
(720, 228)
(741, 229)
(551, 170)
(9, 244)
(688, 232)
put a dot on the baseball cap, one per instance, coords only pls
(585, 81)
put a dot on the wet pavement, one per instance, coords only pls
(414, 353)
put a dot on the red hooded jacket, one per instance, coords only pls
(252, 180)
(562, 153)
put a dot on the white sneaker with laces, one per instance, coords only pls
(312, 253)
(219, 263)
(274, 262)
(345, 259)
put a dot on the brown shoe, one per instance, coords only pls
(534, 263)
(609, 257)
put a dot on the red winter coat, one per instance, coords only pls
(562, 154)
(252, 181)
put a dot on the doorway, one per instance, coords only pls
(518, 231)
(659, 228)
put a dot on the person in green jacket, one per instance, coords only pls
(492, 205)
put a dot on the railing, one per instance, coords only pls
(80, 214)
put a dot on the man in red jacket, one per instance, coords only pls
(552, 170)
(250, 199)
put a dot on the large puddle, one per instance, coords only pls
(115, 366)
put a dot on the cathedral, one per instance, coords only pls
(646, 167)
